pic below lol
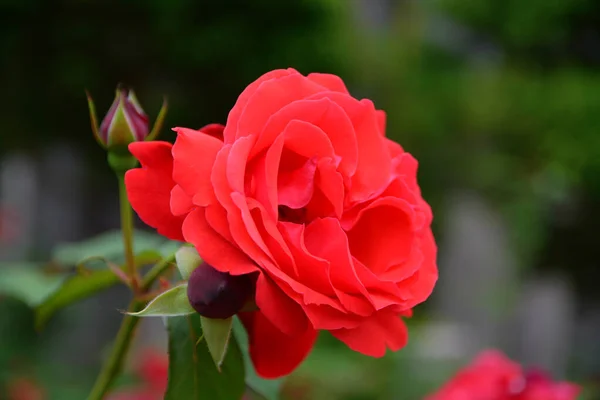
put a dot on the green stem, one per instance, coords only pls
(113, 366)
(120, 163)
(156, 271)
(127, 229)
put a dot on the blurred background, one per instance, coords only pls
(499, 100)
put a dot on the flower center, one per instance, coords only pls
(294, 215)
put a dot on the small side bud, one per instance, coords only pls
(125, 122)
(215, 294)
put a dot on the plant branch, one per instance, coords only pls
(127, 229)
(156, 271)
(113, 366)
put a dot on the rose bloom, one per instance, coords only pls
(301, 188)
(492, 376)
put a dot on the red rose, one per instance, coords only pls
(492, 376)
(303, 188)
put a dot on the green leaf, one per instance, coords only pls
(216, 334)
(192, 372)
(171, 303)
(267, 388)
(145, 257)
(80, 286)
(28, 282)
(187, 259)
(73, 289)
(109, 245)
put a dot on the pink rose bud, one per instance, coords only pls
(125, 122)
(215, 294)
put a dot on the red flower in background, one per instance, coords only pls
(153, 369)
(9, 229)
(303, 189)
(24, 389)
(492, 376)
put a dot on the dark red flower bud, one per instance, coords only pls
(215, 294)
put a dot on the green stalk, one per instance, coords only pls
(127, 229)
(114, 364)
(156, 271)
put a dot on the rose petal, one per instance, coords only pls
(229, 133)
(381, 122)
(382, 293)
(374, 162)
(383, 234)
(421, 284)
(236, 163)
(214, 130)
(266, 172)
(248, 241)
(405, 166)
(273, 238)
(314, 272)
(295, 188)
(324, 238)
(326, 115)
(329, 81)
(279, 309)
(245, 232)
(181, 203)
(319, 308)
(269, 98)
(307, 140)
(194, 154)
(273, 353)
(328, 196)
(149, 188)
(216, 216)
(213, 248)
(376, 334)
(394, 148)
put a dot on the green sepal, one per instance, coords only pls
(187, 259)
(160, 119)
(217, 333)
(192, 373)
(94, 120)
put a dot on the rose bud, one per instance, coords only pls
(215, 294)
(125, 122)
